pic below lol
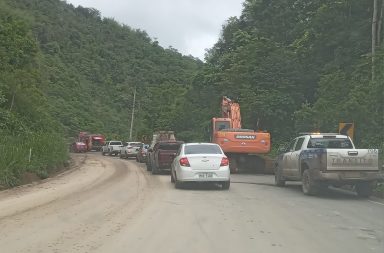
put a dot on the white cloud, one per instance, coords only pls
(190, 26)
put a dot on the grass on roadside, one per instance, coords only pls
(36, 153)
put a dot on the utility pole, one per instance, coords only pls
(133, 114)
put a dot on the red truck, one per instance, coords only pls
(160, 157)
(93, 141)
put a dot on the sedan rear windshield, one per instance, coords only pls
(336, 143)
(202, 149)
(169, 146)
(115, 143)
(135, 144)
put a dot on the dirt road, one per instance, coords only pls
(114, 205)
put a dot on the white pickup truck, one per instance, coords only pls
(321, 160)
(112, 148)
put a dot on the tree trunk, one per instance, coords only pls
(374, 38)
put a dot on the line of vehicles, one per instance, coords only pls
(318, 160)
(186, 162)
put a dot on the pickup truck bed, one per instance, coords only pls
(324, 159)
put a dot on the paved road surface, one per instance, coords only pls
(113, 205)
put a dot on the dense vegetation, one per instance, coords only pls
(65, 69)
(293, 65)
(296, 65)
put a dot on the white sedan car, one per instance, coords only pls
(200, 162)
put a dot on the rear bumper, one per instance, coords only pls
(348, 176)
(130, 155)
(189, 175)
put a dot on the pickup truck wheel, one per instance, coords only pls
(226, 185)
(103, 153)
(154, 169)
(309, 185)
(148, 166)
(364, 189)
(279, 181)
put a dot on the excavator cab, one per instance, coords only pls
(220, 125)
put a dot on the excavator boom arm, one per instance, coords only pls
(231, 110)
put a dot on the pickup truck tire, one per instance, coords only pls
(364, 189)
(226, 185)
(103, 153)
(279, 181)
(148, 166)
(154, 169)
(309, 186)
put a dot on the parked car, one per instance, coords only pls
(112, 148)
(200, 162)
(130, 149)
(321, 160)
(78, 147)
(141, 156)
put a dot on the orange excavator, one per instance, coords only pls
(244, 147)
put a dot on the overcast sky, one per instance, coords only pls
(190, 26)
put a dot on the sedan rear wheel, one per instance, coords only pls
(226, 185)
(178, 184)
(172, 178)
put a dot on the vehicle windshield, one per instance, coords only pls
(335, 143)
(202, 149)
(135, 144)
(220, 125)
(115, 143)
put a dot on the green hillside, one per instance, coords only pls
(297, 66)
(292, 65)
(66, 69)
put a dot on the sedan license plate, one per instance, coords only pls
(205, 175)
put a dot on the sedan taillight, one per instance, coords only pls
(224, 162)
(184, 162)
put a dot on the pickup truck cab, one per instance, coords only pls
(112, 148)
(160, 157)
(321, 160)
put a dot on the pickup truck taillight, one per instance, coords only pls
(184, 162)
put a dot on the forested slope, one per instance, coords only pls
(297, 66)
(65, 69)
(293, 65)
